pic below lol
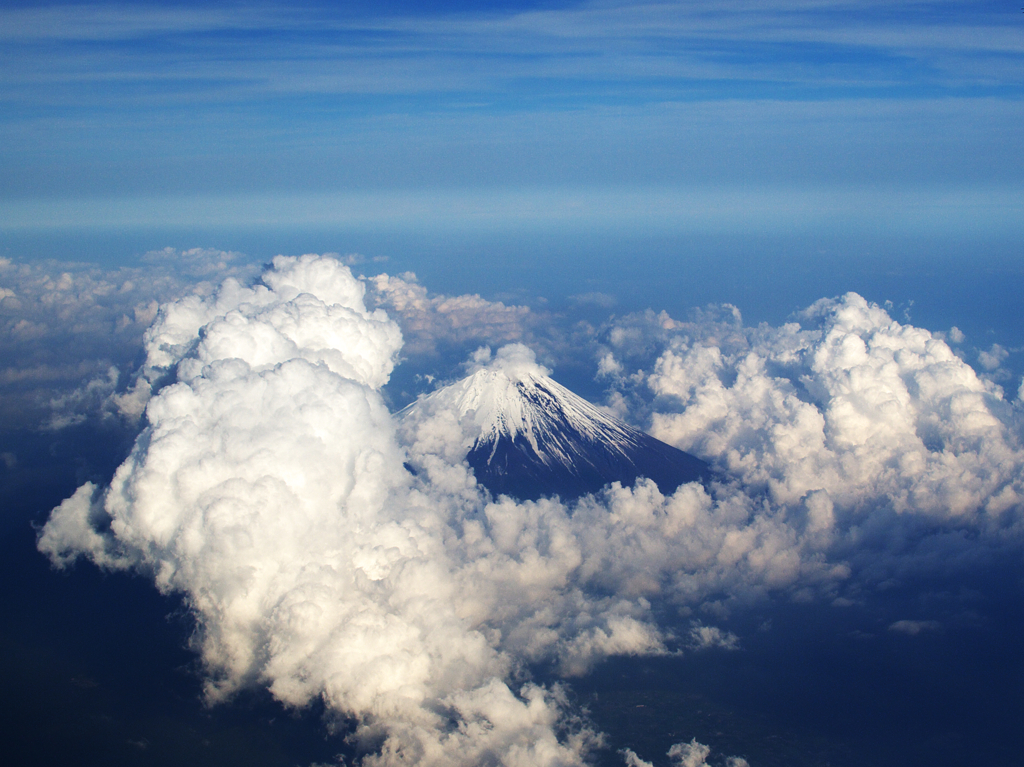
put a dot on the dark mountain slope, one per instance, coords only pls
(531, 437)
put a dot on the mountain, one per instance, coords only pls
(528, 436)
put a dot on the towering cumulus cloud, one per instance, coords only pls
(852, 404)
(327, 553)
(869, 441)
(268, 489)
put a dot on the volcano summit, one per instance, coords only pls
(527, 436)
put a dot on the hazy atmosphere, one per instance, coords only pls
(236, 240)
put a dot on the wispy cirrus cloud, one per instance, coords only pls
(516, 58)
(133, 101)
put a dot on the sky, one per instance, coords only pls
(783, 236)
(404, 115)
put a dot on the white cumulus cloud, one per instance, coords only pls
(692, 754)
(848, 403)
(270, 488)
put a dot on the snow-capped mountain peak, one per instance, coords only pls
(526, 435)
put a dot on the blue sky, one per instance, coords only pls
(136, 114)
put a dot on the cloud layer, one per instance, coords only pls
(70, 332)
(849, 403)
(270, 488)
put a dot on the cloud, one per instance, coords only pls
(868, 444)
(109, 22)
(913, 628)
(72, 408)
(705, 637)
(513, 360)
(692, 754)
(849, 403)
(628, 34)
(639, 83)
(432, 321)
(327, 551)
(198, 263)
(69, 331)
(268, 489)
(993, 358)
(594, 298)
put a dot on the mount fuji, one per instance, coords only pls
(527, 436)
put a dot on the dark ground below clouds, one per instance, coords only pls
(96, 669)
(824, 686)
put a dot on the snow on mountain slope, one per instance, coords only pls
(527, 436)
